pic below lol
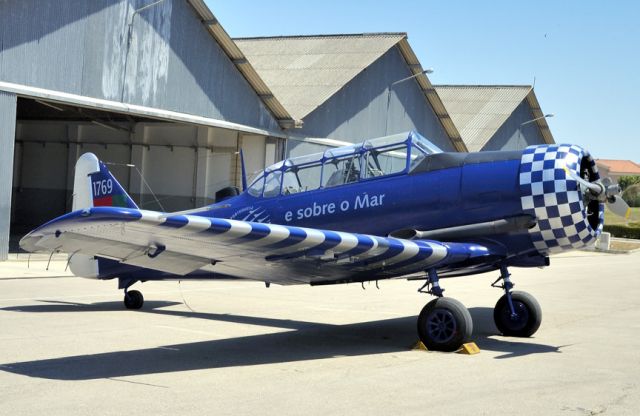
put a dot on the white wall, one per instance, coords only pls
(253, 148)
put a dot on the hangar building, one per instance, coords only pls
(496, 117)
(159, 85)
(347, 88)
(159, 89)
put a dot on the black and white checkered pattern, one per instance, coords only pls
(555, 199)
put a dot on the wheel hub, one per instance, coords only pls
(518, 320)
(441, 325)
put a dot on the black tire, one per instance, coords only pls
(444, 324)
(133, 299)
(529, 315)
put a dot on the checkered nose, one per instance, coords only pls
(565, 220)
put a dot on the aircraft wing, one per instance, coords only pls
(182, 244)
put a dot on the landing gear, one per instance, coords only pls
(133, 299)
(526, 320)
(516, 314)
(444, 324)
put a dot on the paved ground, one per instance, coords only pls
(68, 347)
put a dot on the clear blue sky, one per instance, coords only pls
(584, 55)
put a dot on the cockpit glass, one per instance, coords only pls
(301, 179)
(425, 145)
(341, 170)
(417, 155)
(256, 187)
(272, 184)
(385, 161)
(386, 140)
(342, 151)
(376, 157)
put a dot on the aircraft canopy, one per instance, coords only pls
(389, 155)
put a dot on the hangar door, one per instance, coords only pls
(175, 166)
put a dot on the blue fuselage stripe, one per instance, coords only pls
(296, 235)
(394, 248)
(177, 221)
(331, 240)
(364, 244)
(218, 226)
(258, 232)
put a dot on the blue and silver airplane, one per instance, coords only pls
(393, 207)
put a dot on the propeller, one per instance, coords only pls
(603, 191)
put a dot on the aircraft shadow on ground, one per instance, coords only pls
(304, 341)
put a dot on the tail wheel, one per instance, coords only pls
(526, 320)
(444, 324)
(133, 299)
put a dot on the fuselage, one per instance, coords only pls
(448, 190)
(430, 199)
(515, 207)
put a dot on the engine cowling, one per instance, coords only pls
(565, 219)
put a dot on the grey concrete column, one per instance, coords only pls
(136, 185)
(73, 153)
(8, 104)
(201, 176)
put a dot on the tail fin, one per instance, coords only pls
(95, 186)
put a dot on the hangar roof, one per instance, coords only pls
(240, 61)
(305, 71)
(479, 110)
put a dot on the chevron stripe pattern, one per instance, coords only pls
(286, 242)
(226, 239)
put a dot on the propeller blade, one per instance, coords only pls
(603, 191)
(594, 187)
(618, 206)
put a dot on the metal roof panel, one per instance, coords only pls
(305, 71)
(320, 64)
(479, 110)
(237, 57)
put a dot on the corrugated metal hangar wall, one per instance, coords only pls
(512, 135)
(162, 58)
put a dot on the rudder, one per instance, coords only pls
(95, 186)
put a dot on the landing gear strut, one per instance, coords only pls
(133, 299)
(444, 324)
(516, 314)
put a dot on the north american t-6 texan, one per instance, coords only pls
(392, 207)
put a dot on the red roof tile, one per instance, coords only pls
(624, 167)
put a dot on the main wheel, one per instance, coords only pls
(444, 324)
(133, 299)
(526, 320)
